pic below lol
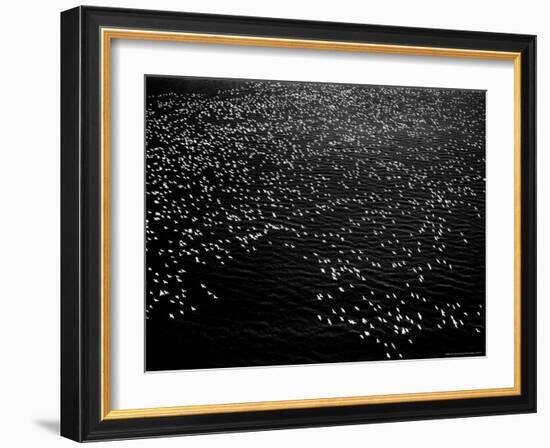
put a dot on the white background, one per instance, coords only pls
(29, 234)
(132, 388)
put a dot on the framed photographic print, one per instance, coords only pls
(273, 223)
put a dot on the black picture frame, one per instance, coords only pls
(81, 225)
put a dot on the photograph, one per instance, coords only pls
(294, 223)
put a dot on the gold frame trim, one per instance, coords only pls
(107, 35)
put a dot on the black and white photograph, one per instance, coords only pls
(294, 223)
(274, 219)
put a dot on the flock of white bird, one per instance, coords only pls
(379, 190)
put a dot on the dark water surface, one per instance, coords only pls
(292, 223)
